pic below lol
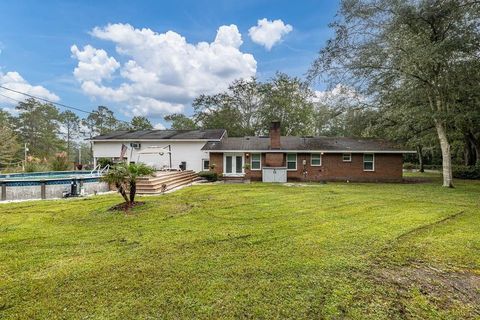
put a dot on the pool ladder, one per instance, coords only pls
(100, 170)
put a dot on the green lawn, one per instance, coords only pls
(334, 251)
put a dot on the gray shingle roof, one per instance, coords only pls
(304, 143)
(207, 134)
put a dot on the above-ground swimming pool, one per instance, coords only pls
(49, 185)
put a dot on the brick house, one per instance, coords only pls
(278, 159)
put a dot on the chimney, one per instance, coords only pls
(275, 135)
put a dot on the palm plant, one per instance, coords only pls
(124, 177)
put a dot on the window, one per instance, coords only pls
(291, 161)
(206, 164)
(368, 162)
(256, 161)
(315, 159)
(347, 157)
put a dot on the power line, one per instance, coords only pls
(48, 101)
(10, 98)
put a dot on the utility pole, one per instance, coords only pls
(25, 158)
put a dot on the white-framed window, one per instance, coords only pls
(368, 162)
(205, 164)
(291, 161)
(256, 161)
(347, 157)
(315, 159)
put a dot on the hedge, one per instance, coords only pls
(466, 172)
(209, 175)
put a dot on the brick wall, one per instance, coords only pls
(217, 160)
(388, 167)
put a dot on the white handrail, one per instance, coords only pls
(97, 167)
(104, 169)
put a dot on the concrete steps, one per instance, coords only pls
(165, 181)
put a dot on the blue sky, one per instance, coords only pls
(146, 72)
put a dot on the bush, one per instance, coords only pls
(466, 172)
(60, 162)
(409, 166)
(34, 165)
(103, 162)
(432, 167)
(209, 175)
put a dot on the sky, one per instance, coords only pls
(152, 58)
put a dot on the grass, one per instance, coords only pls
(334, 251)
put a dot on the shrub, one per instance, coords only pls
(432, 167)
(466, 172)
(60, 162)
(209, 175)
(103, 162)
(409, 166)
(34, 165)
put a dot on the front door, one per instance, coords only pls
(233, 164)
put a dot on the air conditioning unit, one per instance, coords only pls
(135, 145)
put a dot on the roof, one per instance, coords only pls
(207, 134)
(335, 144)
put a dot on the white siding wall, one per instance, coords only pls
(189, 151)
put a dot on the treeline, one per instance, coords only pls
(47, 131)
(248, 106)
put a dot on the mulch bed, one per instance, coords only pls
(126, 206)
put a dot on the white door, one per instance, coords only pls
(233, 164)
(274, 175)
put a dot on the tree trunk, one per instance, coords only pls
(133, 190)
(121, 190)
(446, 154)
(420, 158)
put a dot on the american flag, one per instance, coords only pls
(123, 152)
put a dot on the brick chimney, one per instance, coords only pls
(275, 135)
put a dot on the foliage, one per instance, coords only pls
(209, 175)
(466, 172)
(34, 164)
(9, 146)
(101, 121)
(103, 162)
(180, 122)
(38, 125)
(140, 123)
(249, 106)
(416, 51)
(60, 162)
(71, 125)
(288, 99)
(409, 166)
(253, 251)
(124, 177)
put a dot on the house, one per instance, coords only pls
(278, 159)
(158, 148)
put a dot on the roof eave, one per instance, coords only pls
(314, 151)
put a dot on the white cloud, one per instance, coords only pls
(13, 80)
(268, 33)
(159, 126)
(163, 72)
(93, 64)
(339, 96)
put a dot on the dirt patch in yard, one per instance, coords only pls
(440, 285)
